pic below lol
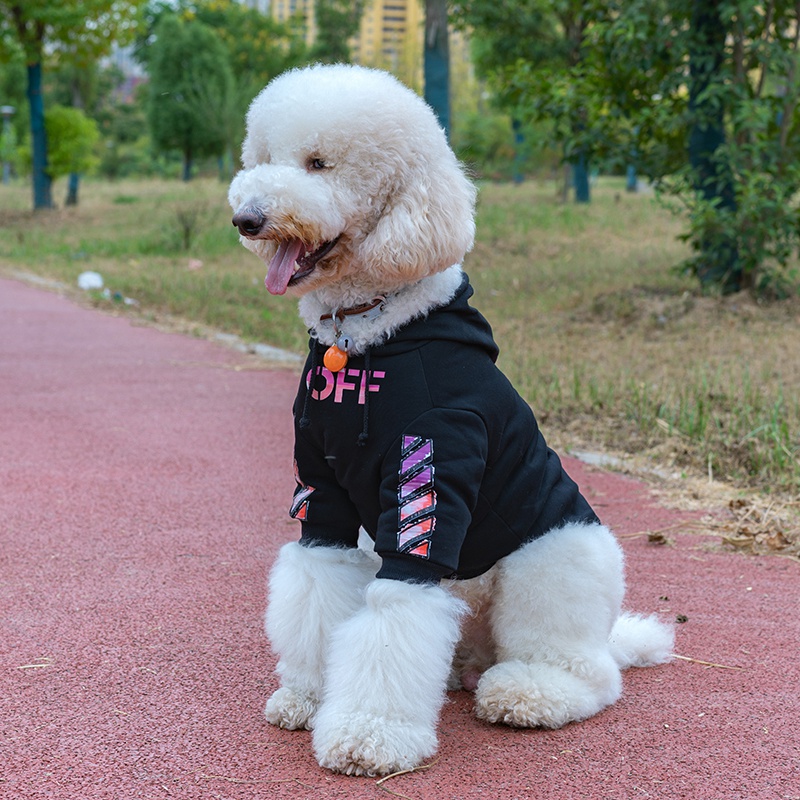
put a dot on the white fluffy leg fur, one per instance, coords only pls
(558, 599)
(311, 591)
(386, 680)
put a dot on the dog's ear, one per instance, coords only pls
(427, 224)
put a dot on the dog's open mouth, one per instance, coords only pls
(293, 262)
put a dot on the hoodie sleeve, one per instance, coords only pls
(324, 508)
(429, 489)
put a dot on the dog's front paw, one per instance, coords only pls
(363, 744)
(291, 708)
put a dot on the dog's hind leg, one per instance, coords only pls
(557, 600)
(311, 591)
(386, 680)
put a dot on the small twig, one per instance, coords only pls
(225, 778)
(392, 791)
(705, 663)
(749, 513)
(684, 524)
(385, 778)
(203, 775)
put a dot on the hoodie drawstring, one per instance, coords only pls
(364, 435)
(305, 420)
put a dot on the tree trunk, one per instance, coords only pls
(719, 264)
(580, 180)
(519, 143)
(73, 182)
(42, 195)
(631, 180)
(437, 61)
(574, 22)
(187, 166)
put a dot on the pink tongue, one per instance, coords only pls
(281, 268)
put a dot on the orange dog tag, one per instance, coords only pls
(335, 359)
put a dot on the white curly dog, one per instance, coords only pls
(485, 568)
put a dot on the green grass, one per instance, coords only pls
(610, 344)
(168, 245)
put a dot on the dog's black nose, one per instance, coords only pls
(249, 222)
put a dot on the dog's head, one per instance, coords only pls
(349, 179)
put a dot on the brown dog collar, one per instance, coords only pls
(354, 311)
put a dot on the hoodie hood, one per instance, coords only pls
(457, 322)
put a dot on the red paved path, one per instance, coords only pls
(144, 480)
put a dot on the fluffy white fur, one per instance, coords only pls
(556, 603)
(386, 679)
(405, 304)
(347, 161)
(311, 591)
(391, 188)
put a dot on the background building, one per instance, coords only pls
(390, 37)
(283, 10)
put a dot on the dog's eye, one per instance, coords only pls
(316, 164)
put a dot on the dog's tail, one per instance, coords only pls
(637, 641)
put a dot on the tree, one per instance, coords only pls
(712, 176)
(73, 137)
(505, 33)
(12, 95)
(13, 73)
(703, 96)
(76, 29)
(437, 61)
(337, 21)
(259, 48)
(531, 36)
(84, 86)
(191, 99)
